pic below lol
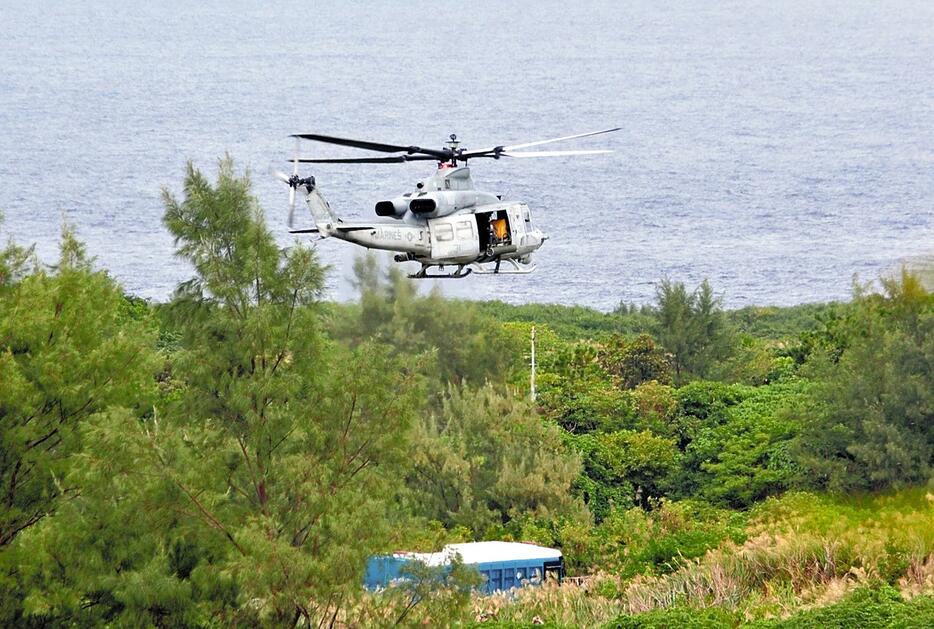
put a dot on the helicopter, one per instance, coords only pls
(445, 221)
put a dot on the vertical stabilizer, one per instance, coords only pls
(325, 219)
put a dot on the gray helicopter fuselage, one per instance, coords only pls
(447, 191)
(456, 231)
(462, 237)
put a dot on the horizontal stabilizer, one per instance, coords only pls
(349, 228)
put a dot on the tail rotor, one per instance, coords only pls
(294, 178)
(294, 181)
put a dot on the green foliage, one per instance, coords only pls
(776, 323)
(879, 522)
(637, 361)
(817, 558)
(455, 342)
(578, 392)
(655, 408)
(234, 456)
(65, 354)
(746, 457)
(572, 323)
(435, 593)
(220, 231)
(692, 327)
(15, 262)
(600, 485)
(662, 540)
(709, 401)
(730, 444)
(115, 554)
(871, 423)
(297, 442)
(485, 458)
(644, 460)
(866, 608)
(267, 475)
(756, 362)
(686, 617)
(586, 404)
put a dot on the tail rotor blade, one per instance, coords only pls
(298, 142)
(278, 174)
(291, 205)
(292, 183)
(298, 147)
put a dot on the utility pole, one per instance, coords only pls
(532, 388)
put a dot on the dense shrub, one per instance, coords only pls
(866, 608)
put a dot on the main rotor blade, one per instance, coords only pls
(501, 149)
(372, 146)
(548, 153)
(395, 159)
(567, 137)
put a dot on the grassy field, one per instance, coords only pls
(809, 560)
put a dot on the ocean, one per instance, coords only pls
(777, 149)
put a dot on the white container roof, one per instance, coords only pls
(486, 552)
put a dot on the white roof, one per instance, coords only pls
(486, 552)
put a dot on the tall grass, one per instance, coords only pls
(803, 551)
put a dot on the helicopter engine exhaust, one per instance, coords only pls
(395, 208)
(423, 206)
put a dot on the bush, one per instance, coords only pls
(865, 608)
(682, 617)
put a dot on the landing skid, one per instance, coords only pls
(422, 273)
(481, 268)
(517, 268)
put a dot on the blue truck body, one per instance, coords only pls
(502, 565)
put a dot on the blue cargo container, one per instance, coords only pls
(503, 565)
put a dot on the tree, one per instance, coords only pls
(15, 262)
(874, 424)
(579, 393)
(66, 353)
(641, 459)
(485, 458)
(636, 361)
(692, 327)
(266, 476)
(435, 593)
(656, 409)
(298, 439)
(455, 342)
(746, 457)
